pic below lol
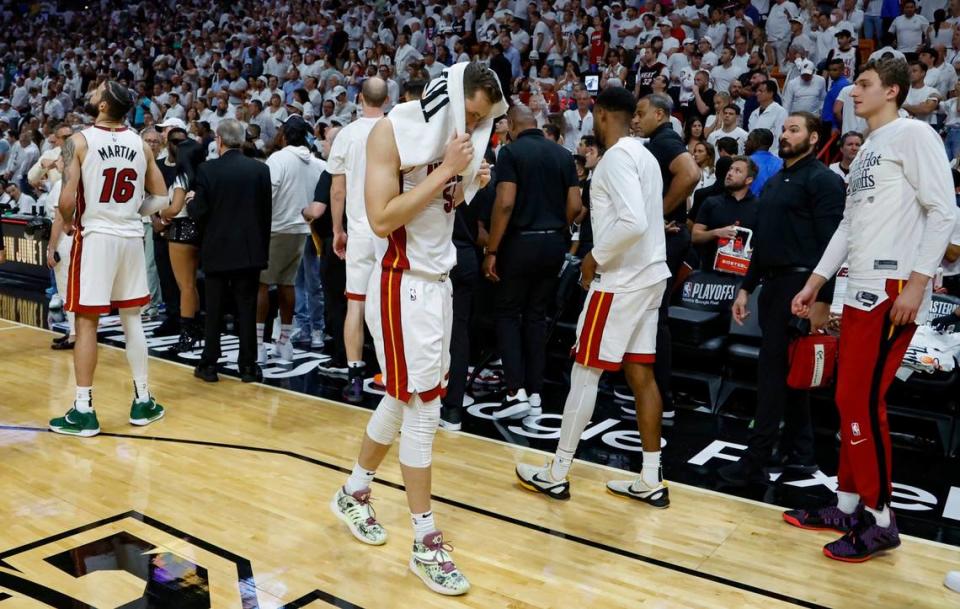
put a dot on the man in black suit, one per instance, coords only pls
(232, 204)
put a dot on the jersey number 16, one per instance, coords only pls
(118, 186)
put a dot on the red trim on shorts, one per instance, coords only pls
(91, 310)
(357, 297)
(129, 304)
(436, 392)
(591, 335)
(72, 303)
(639, 358)
(395, 375)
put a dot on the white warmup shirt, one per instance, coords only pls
(626, 208)
(348, 156)
(899, 215)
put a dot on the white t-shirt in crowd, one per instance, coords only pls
(918, 96)
(909, 32)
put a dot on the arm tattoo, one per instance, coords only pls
(67, 151)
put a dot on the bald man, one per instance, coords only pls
(538, 197)
(355, 241)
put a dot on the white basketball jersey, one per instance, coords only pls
(425, 244)
(112, 183)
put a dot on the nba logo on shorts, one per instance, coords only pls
(855, 428)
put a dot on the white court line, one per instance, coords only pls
(687, 487)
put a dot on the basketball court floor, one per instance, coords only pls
(224, 504)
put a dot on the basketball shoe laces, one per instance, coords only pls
(364, 502)
(441, 551)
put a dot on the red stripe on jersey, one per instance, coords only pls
(395, 375)
(396, 256)
(73, 279)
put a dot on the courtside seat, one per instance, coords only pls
(742, 352)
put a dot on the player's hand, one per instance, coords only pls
(483, 174)
(740, 312)
(907, 304)
(588, 268)
(490, 268)
(51, 261)
(727, 232)
(459, 154)
(313, 211)
(803, 301)
(340, 244)
(671, 227)
(819, 317)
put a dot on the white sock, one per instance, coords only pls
(561, 464)
(359, 480)
(650, 474)
(881, 516)
(285, 331)
(535, 400)
(141, 392)
(423, 525)
(847, 502)
(260, 334)
(84, 399)
(359, 364)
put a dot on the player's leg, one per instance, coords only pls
(144, 409)
(184, 259)
(81, 420)
(360, 266)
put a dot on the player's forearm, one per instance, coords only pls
(835, 254)
(338, 198)
(624, 233)
(387, 217)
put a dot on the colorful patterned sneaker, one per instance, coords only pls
(538, 479)
(865, 540)
(431, 562)
(355, 510)
(144, 413)
(76, 423)
(830, 518)
(658, 497)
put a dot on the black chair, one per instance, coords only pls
(741, 354)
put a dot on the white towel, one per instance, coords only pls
(423, 128)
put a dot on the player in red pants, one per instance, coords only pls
(896, 226)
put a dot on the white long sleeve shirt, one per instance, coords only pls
(805, 96)
(626, 208)
(900, 211)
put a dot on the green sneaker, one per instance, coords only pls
(76, 423)
(431, 562)
(144, 413)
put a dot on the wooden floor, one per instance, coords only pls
(238, 479)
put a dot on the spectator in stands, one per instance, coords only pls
(769, 114)
(705, 156)
(849, 146)
(720, 215)
(909, 28)
(578, 121)
(729, 128)
(922, 99)
(20, 201)
(798, 212)
(538, 197)
(680, 175)
(951, 123)
(806, 92)
(757, 148)
(836, 84)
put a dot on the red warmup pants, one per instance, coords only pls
(871, 349)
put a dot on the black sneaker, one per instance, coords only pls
(353, 392)
(865, 540)
(251, 374)
(206, 373)
(450, 417)
(743, 473)
(169, 327)
(830, 518)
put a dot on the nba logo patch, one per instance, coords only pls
(687, 289)
(855, 428)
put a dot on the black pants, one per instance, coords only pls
(243, 286)
(677, 246)
(528, 266)
(168, 282)
(464, 278)
(775, 401)
(333, 276)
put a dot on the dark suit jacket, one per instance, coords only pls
(233, 205)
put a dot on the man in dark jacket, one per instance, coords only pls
(233, 205)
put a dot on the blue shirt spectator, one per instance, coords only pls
(837, 82)
(757, 148)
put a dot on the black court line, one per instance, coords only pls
(483, 512)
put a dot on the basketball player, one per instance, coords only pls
(411, 299)
(107, 168)
(895, 229)
(626, 275)
(347, 165)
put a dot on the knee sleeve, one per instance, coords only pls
(386, 421)
(579, 405)
(420, 422)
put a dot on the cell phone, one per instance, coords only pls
(592, 82)
(56, 257)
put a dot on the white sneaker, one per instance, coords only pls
(431, 562)
(284, 351)
(535, 405)
(357, 513)
(56, 302)
(514, 407)
(953, 581)
(316, 339)
(262, 354)
(658, 497)
(538, 479)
